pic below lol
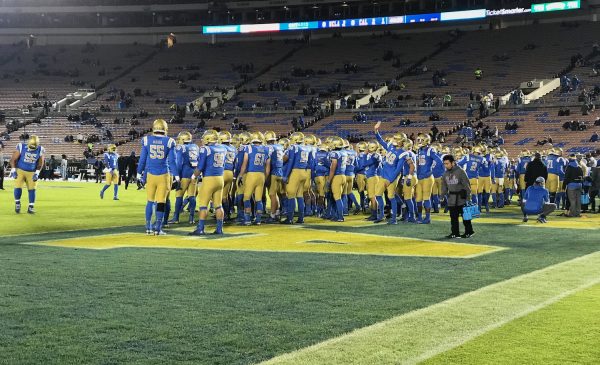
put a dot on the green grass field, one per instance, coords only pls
(81, 284)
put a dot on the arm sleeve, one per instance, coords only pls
(465, 182)
(143, 156)
(399, 163)
(290, 162)
(202, 159)
(172, 161)
(179, 160)
(444, 186)
(381, 141)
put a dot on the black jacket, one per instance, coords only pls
(535, 169)
(573, 174)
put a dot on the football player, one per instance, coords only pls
(226, 140)
(361, 178)
(299, 160)
(211, 165)
(244, 141)
(472, 163)
(336, 180)
(424, 187)
(524, 159)
(26, 163)
(409, 180)
(390, 173)
(372, 168)
(275, 182)
(556, 165)
(320, 174)
(484, 181)
(187, 161)
(256, 167)
(499, 167)
(157, 160)
(351, 162)
(111, 169)
(437, 169)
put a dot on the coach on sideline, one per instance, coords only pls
(456, 186)
(536, 200)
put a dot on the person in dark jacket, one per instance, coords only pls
(122, 165)
(131, 168)
(595, 188)
(573, 183)
(535, 169)
(456, 186)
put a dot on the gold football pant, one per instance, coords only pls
(424, 189)
(254, 184)
(25, 177)
(295, 185)
(385, 186)
(158, 187)
(112, 178)
(211, 189)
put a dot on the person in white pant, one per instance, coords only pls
(64, 163)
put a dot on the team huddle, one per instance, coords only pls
(395, 178)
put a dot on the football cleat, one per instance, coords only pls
(149, 232)
(287, 221)
(300, 221)
(101, 194)
(17, 207)
(392, 222)
(425, 221)
(525, 219)
(218, 232)
(160, 233)
(173, 221)
(452, 236)
(467, 235)
(30, 210)
(197, 233)
(116, 198)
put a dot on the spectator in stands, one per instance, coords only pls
(536, 200)
(447, 100)
(594, 137)
(573, 184)
(535, 169)
(478, 73)
(597, 122)
(470, 111)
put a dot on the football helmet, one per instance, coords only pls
(244, 138)
(372, 147)
(224, 137)
(458, 153)
(346, 143)
(408, 145)
(297, 138)
(422, 140)
(185, 136)
(310, 140)
(284, 142)
(337, 143)
(160, 126)
(361, 146)
(257, 137)
(112, 148)
(210, 136)
(270, 136)
(33, 142)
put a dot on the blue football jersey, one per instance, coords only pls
(158, 155)
(258, 157)
(211, 160)
(28, 159)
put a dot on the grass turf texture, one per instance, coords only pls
(565, 332)
(158, 305)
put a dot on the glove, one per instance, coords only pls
(494, 181)
(36, 175)
(408, 181)
(285, 179)
(13, 173)
(328, 185)
(176, 184)
(112, 171)
(239, 180)
(141, 179)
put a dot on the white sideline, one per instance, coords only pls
(419, 335)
